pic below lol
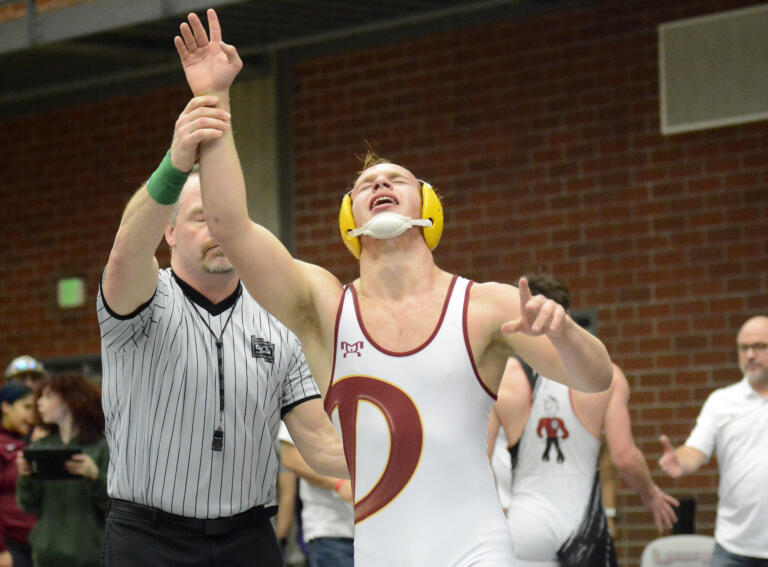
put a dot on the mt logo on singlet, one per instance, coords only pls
(352, 348)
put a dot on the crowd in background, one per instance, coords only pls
(60, 521)
(51, 517)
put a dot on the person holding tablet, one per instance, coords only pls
(71, 510)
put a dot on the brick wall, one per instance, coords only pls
(542, 136)
(65, 178)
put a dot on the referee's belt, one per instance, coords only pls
(208, 526)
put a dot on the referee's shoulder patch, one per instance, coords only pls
(262, 349)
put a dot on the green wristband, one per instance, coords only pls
(165, 184)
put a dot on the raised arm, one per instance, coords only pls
(681, 461)
(628, 459)
(578, 359)
(130, 277)
(278, 282)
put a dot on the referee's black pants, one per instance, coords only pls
(135, 536)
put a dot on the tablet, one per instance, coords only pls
(47, 463)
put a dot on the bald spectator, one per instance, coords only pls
(732, 424)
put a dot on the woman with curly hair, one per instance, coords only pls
(70, 524)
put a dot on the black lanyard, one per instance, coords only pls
(218, 432)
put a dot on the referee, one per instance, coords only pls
(196, 379)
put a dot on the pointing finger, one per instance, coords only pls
(525, 292)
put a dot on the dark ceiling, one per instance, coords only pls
(119, 46)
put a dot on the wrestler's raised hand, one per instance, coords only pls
(210, 65)
(538, 315)
(199, 122)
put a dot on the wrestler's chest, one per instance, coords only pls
(401, 327)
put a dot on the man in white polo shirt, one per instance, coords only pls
(733, 424)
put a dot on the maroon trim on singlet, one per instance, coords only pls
(466, 341)
(335, 348)
(388, 352)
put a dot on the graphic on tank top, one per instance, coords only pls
(406, 434)
(553, 427)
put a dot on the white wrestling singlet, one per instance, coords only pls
(554, 477)
(414, 427)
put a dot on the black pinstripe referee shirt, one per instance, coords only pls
(160, 393)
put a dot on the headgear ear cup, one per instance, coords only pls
(431, 208)
(347, 223)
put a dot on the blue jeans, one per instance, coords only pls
(331, 552)
(722, 558)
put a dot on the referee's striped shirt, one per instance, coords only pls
(160, 395)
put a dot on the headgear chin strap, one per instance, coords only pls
(431, 222)
(388, 225)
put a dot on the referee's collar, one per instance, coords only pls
(198, 298)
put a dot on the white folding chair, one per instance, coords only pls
(678, 551)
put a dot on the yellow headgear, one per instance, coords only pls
(431, 209)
